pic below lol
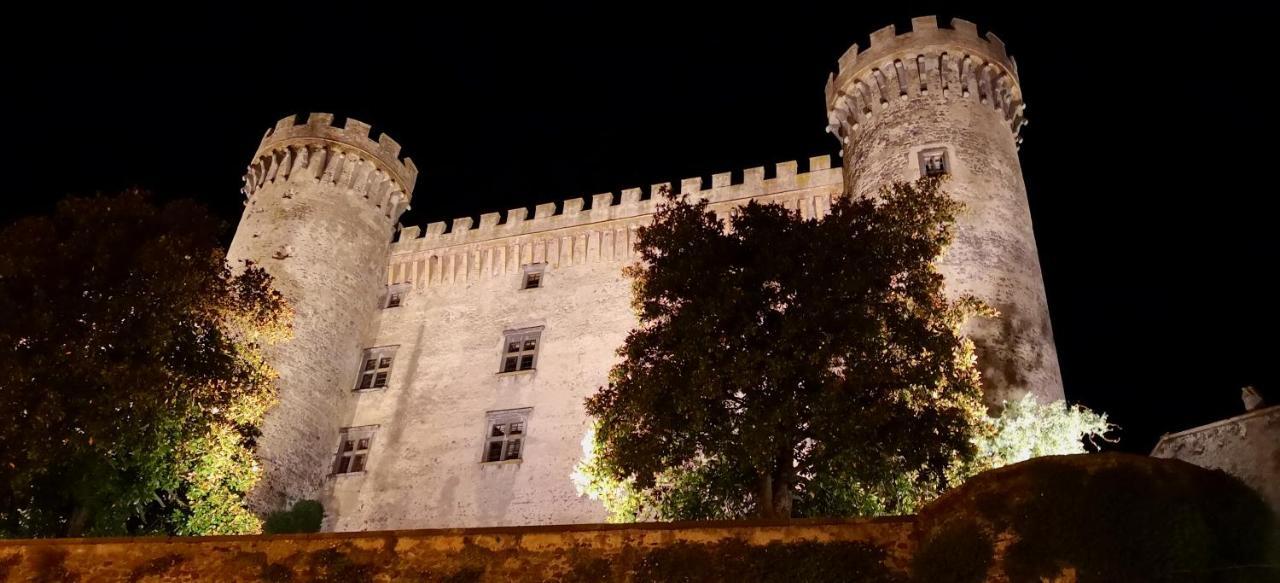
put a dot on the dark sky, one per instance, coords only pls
(1150, 206)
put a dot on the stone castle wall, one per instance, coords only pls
(323, 201)
(1246, 446)
(533, 554)
(938, 89)
(463, 290)
(321, 209)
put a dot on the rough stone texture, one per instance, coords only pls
(1246, 446)
(583, 553)
(461, 281)
(948, 88)
(319, 217)
(463, 291)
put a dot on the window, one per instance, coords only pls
(520, 349)
(533, 276)
(504, 434)
(375, 368)
(394, 297)
(353, 449)
(933, 162)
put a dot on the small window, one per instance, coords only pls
(394, 297)
(533, 276)
(505, 433)
(353, 449)
(933, 162)
(520, 349)
(375, 368)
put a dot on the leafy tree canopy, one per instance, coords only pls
(781, 355)
(132, 372)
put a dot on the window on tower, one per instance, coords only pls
(520, 349)
(394, 296)
(504, 435)
(375, 368)
(934, 162)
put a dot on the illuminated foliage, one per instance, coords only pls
(1025, 429)
(782, 354)
(132, 372)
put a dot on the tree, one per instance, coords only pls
(1024, 429)
(783, 354)
(132, 371)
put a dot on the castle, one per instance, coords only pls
(436, 378)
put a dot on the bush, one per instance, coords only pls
(960, 552)
(1107, 517)
(305, 516)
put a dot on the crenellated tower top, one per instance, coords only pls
(372, 167)
(949, 62)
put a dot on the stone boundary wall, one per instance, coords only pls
(1246, 446)
(548, 553)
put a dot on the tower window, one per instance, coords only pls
(520, 349)
(504, 434)
(353, 449)
(934, 162)
(533, 276)
(375, 368)
(395, 295)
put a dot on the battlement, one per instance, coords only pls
(628, 203)
(946, 62)
(353, 138)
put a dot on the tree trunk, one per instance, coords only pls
(764, 507)
(775, 498)
(79, 518)
(782, 500)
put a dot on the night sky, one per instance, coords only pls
(1150, 205)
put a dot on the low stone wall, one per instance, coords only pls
(1246, 446)
(552, 553)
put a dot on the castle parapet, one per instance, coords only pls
(947, 62)
(628, 203)
(345, 156)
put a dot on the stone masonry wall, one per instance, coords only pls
(321, 209)
(950, 90)
(461, 285)
(1246, 446)
(529, 554)
(462, 292)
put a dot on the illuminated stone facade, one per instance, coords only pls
(399, 374)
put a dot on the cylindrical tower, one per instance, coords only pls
(944, 101)
(322, 205)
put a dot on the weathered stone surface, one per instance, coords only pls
(319, 217)
(937, 88)
(581, 553)
(1246, 446)
(464, 291)
(322, 202)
